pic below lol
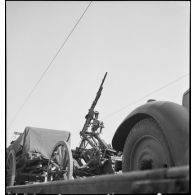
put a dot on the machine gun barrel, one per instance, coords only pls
(91, 110)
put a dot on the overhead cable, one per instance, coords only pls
(49, 65)
(138, 100)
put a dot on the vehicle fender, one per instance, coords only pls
(173, 120)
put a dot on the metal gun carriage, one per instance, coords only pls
(39, 155)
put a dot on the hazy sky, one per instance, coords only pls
(142, 45)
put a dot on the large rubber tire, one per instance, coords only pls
(146, 147)
(10, 168)
(60, 165)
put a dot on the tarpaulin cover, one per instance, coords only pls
(39, 140)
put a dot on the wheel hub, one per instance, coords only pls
(148, 153)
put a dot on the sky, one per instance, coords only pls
(142, 45)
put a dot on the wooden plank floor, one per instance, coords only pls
(172, 180)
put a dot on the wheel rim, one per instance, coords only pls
(60, 163)
(148, 153)
(10, 169)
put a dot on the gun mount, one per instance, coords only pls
(93, 156)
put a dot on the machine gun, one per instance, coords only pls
(89, 117)
(93, 156)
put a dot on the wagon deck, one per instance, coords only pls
(171, 180)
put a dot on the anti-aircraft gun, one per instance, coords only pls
(94, 156)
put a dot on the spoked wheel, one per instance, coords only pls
(60, 166)
(10, 168)
(146, 147)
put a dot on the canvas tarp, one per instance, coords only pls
(39, 140)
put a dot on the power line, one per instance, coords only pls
(154, 91)
(49, 65)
